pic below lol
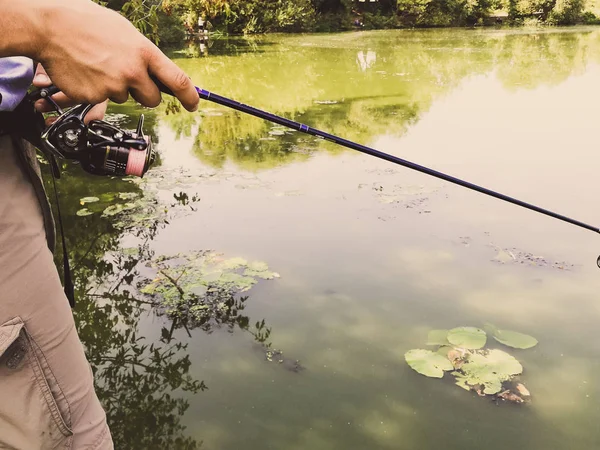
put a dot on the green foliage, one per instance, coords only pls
(85, 200)
(380, 21)
(510, 338)
(246, 16)
(489, 370)
(467, 337)
(437, 337)
(141, 382)
(170, 29)
(567, 12)
(428, 363)
(143, 14)
(444, 12)
(196, 286)
(165, 21)
(486, 371)
(589, 18)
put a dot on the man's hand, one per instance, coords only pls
(93, 54)
(42, 80)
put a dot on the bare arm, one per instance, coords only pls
(91, 53)
(21, 28)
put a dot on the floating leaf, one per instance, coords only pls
(112, 210)
(427, 362)
(444, 350)
(118, 208)
(498, 362)
(234, 263)
(462, 382)
(265, 275)
(492, 387)
(85, 200)
(236, 281)
(107, 197)
(515, 339)
(467, 337)
(127, 195)
(261, 270)
(84, 212)
(489, 370)
(258, 266)
(437, 337)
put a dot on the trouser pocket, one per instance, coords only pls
(34, 413)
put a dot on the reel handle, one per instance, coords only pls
(46, 92)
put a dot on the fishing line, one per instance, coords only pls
(206, 95)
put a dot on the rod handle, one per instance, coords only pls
(161, 86)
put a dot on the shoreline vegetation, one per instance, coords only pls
(167, 22)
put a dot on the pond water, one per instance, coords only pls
(370, 256)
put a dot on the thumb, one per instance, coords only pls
(41, 78)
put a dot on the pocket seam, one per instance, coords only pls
(67, 415)
(44, 387)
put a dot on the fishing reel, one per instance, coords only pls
(100, 147)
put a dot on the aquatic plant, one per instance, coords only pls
(196, 285)
(486, 371)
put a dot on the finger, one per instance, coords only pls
(50, 120)
(175, 79)
(41, 78)
(61, 99)
(146, 92)
(120, 97)
(96, 113)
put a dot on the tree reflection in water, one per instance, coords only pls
(136, 379)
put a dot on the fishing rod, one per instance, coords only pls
(206, 95)
(113, 151)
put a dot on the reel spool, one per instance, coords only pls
(100, 147)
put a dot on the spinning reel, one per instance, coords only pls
(100, 147)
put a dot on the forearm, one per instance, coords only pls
(21, 23)
(91, 53)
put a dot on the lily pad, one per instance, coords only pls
(236, 281)
(492, 387)
(427, 363)
(118, 208)
(437, 337)
(84, 212)
(107, 197)
(85, 200)
(128, 195)
(258, 266)
(515, 339)
(444, 350)
(234, 263)
(489, 370)
(490, 328)
(467, 337)
(200, 285)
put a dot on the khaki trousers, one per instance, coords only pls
(47, 397)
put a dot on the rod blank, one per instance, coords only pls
(206, 95)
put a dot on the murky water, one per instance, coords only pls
(370, 256)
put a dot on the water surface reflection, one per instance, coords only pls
(371, 256)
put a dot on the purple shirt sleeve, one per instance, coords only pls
(16, 75)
